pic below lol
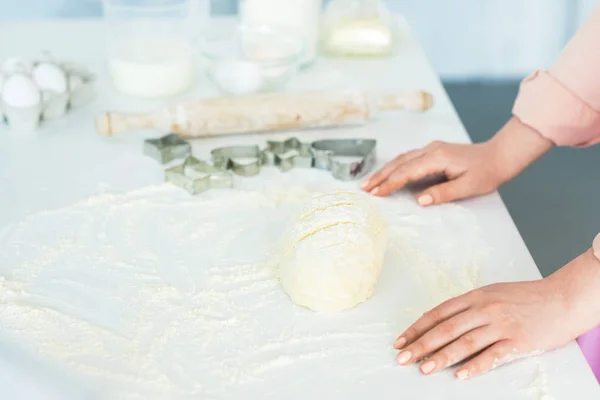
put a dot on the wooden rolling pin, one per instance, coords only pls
(263, 112)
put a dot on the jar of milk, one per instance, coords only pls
(150, 52)
(304, 16)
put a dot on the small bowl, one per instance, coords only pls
(251, 58)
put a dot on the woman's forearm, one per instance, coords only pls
(517, 146)
(578, 284)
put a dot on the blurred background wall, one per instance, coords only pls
(481, 48)
(465, 39)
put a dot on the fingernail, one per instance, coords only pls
(364, 184)
(462, 374)
(427, 367)
(400, 343)
(374, 191)
(425, 200)
(403, 357)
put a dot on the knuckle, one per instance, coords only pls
(419, 349)
(444, 359)
(442, 192)
(469, 343)
(498, 358)
(440, 152)
(476, 367)
(411, 333)
(434, 314)
(448, 328)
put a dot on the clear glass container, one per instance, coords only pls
(150, 50)
(357, 28)
(250, 59)
(304, 16)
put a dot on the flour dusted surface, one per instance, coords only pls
(155, 294)
(334, 253)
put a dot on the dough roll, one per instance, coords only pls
(333, 253)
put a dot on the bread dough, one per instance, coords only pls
(333, 253)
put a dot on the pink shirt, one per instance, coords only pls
(563, 103)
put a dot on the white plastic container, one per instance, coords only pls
(304, 16)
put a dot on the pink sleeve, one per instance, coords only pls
(563, 104)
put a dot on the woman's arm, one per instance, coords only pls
(563, 104)
(579, 283)
(506, 321)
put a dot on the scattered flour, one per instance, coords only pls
(538, 389)
(155, 294)
(514, 356)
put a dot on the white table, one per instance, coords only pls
(66, 161)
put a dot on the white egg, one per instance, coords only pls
(17, 65)
(50, 77)
(20, 91)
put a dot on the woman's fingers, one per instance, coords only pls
(496, 355)
(443, 334)
(465, 346)
(375, 180)
(409, 171)
(431, 319)
(456, 189)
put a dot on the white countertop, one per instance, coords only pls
(67, 162)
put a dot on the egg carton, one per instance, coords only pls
(33, 91)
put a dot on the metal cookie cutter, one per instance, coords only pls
(289, 154)
(167, 148)
(197, 176)
(347, 159)
(242, 160)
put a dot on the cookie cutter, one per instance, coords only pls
(197, 176)
(167, 148)
(242, 160)
(347, 159)
(288, 154)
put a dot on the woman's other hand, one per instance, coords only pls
(471, 169)
(504, 322)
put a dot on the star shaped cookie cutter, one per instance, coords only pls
(242, 160)
(167, 148)
(197, 176)
(288, 154)
(347, 159)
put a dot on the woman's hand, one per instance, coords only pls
(472, 169)
(502, 322)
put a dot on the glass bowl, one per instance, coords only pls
(251, 58)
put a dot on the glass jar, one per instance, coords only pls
(360, 28)
(304, 16)
(150, 51)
